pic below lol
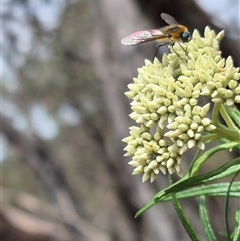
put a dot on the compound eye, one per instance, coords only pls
(186, 37)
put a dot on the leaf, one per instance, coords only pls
(202, 159)
(236, 234)
(184, 220)
(205, 220)
(183, 184)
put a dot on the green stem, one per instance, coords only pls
(231, 132)
(227, 118)
(227, 133)
(234, 113)
(209, 138)
(215, 114)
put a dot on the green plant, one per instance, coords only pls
(171, 119)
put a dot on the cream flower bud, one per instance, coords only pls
(167, 108)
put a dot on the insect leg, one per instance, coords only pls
(185, 50)
(158, 49)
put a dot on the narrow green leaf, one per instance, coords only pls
(181, 185)
(145, 208)
(231, 170)
(184, 220)
(227, 206)
(205, 220)
(213, 190)
(202, 159)
(221, 172)
(236, 234)
(235, 148)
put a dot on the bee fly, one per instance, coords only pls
(166, 35)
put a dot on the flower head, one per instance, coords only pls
(165, 103)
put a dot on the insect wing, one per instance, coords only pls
(168, 19)
(142, 36)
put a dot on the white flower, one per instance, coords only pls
(165, 103)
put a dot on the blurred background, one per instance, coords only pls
(64, 114)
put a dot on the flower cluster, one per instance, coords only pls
(165, 103)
